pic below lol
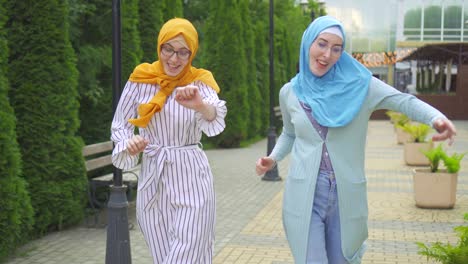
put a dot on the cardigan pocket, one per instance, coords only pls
(296, 170)
(354, 199)
(354, 237)
(294, 197)
(294, 191)
(353, 216)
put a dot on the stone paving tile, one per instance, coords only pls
(249, 227)
(392, 239)
(253, 254)
(408, 226)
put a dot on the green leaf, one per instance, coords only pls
(452, 163)
(418, 132)
(448, 253)
(434, 156)
(398, 119)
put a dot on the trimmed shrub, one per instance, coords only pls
(150, 22)
(44, 95)
(226, 58)
(91, 37)
(172, 9)
(16, 217)
(131, 50)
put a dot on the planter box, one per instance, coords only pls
(413, 155)
(402, 136)
(436, 190)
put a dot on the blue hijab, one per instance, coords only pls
(337, 96)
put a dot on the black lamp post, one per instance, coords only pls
(304, 5)
(271, 175)
(118, 237)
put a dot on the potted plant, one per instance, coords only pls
(435, 187)
(447, 253)
(399, 120)
(418, 142)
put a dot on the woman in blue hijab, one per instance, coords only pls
(326, 109)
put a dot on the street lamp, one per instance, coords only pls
(318, 8)
(118, 237)
(271, 175)
(304, 4)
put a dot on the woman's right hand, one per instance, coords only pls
(264, 164)
(136, 144)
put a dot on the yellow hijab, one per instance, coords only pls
(154, 73)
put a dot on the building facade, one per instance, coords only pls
(382, 34)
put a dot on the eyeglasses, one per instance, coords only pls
(167, 50)
(334, 50)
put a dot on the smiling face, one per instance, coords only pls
(174, 56)
(324, 53)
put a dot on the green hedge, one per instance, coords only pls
(59, 72)
(16, 217)
(225, 56)
(150, 22)
(44, 95)
(243, 72)
(91, 28)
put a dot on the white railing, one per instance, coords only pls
(435, 34)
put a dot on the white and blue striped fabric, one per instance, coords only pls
(175, 199)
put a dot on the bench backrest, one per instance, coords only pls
(277, 112)
(98, 149)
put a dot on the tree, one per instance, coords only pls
(226, 58)
(172, 9)
(260, 19)
(92, 22)
(197, 11)
(16, 218)
(452, 24)
(44, 95)
(150, 22)
(253, 90)
(289, 27)
(131, 50)
(432, 22)
(227, 45)
(412, 24)
(91, 37)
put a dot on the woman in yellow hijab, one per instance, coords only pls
(172, 103)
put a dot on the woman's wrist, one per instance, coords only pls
(207, 111)
(274, 162)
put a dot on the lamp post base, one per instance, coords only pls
(271, 175)
(118, 237)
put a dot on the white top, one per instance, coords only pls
(173, 126)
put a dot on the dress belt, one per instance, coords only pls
(154, 149)
(162, 158)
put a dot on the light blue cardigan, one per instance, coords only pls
(346, 146)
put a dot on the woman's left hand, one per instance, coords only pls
(189, 97)
(445, 130)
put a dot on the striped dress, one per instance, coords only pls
(175, 199)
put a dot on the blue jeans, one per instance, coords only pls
(324, 244)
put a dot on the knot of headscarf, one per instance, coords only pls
(337, 96)
(154, 73)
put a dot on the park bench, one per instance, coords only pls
(277, 111)
(99, 156)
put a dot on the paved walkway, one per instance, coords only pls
(249, 228)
